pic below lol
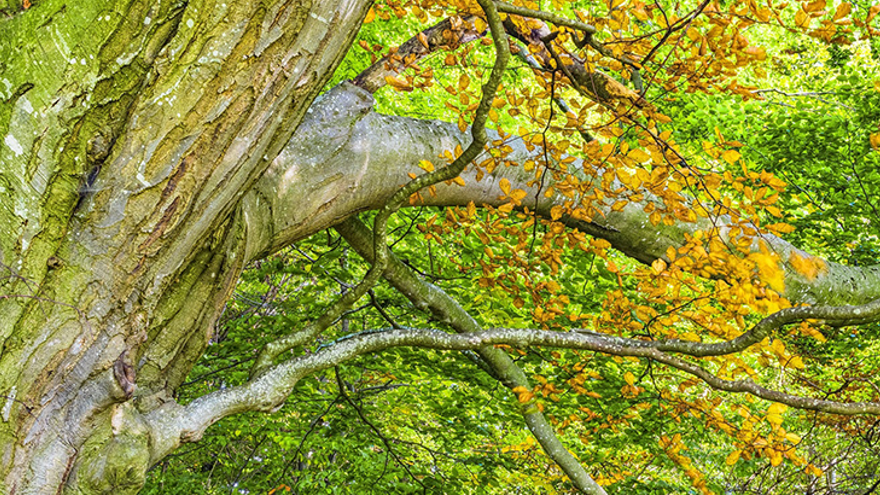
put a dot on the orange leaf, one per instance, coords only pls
(872, 13)
(815, 6)
(398, 84)
(371, 14)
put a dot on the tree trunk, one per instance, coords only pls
(130, 132)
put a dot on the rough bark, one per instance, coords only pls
(130, 131)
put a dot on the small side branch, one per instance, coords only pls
(494, 361)
(448, 34)
(545, 16)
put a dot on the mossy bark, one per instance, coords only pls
(129, 133)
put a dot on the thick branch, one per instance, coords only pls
(346, 158)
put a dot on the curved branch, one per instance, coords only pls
(268, 390)
(833, 315)
(445, 35)
(429, 297)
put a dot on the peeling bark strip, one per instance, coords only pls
(124, 374)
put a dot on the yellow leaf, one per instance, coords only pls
(426, 165)
(777, 408)
(775, 457)
(463, 82)
(812, 332)
(875, 141)
(640, 14)
(807, 265)
(730, 156)
(556, 212)
(459, 181)
(629, 378)
(769, 268)
(796, 362)
(733, 457)
(639, 156)
(781, 227)
(505, 186)
(842, 11)
(518, 195)
(710, 149)
(658, 266)
(815, 6)
(801, 19)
